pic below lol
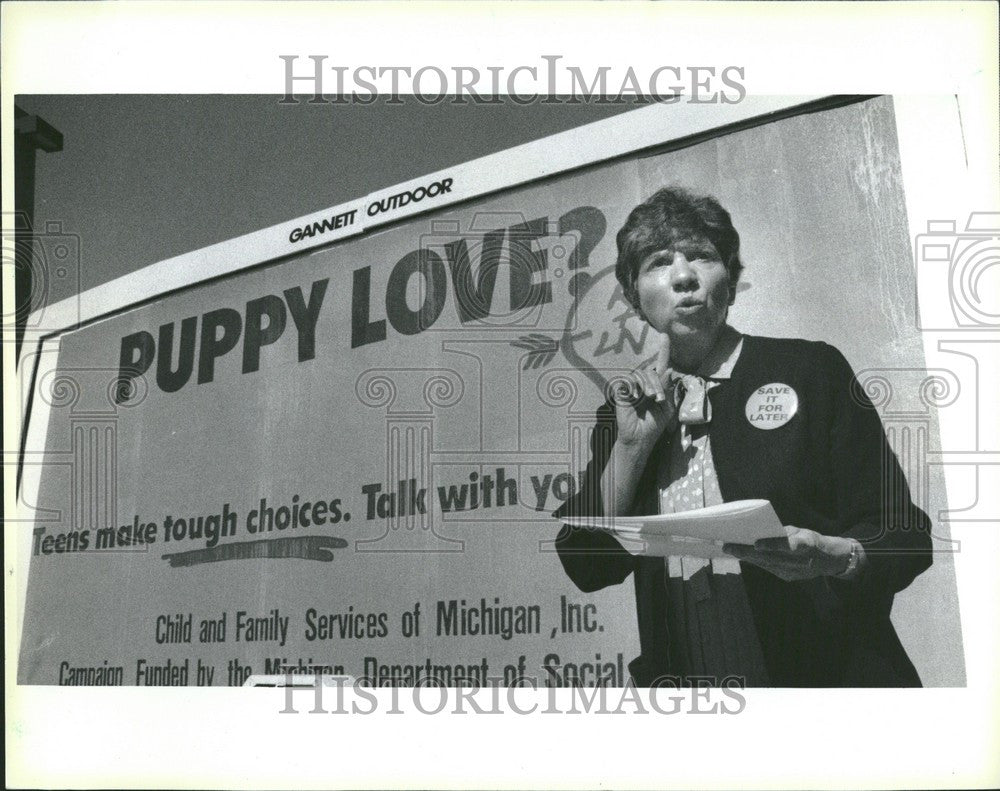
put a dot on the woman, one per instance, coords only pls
(718, 417)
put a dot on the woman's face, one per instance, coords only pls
(684, 289)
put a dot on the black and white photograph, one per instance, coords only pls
(487, 404)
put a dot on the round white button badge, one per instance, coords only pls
(772, 405)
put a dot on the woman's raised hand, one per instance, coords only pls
(644, 405)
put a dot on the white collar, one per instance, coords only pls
(721, 360)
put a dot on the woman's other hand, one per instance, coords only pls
(803, 554)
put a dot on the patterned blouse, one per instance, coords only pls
(709, 622)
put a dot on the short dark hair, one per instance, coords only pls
(666, 217)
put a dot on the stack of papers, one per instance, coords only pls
(699, 533)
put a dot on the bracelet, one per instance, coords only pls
(853, 561)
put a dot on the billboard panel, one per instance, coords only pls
(345, 461)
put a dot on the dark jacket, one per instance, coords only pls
(829, 469)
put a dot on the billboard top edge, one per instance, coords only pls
(630, 132)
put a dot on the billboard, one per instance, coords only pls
(344, 460)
